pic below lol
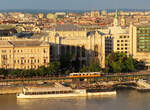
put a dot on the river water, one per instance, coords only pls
(124, 100)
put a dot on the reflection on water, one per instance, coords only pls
(52, 103)
(125, 100)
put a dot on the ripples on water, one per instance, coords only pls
(125, 100)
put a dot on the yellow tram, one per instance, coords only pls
(86, 74)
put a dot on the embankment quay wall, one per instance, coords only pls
(10, 90)
(115, 77)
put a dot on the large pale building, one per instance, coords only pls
(24, 54)
(76, 41)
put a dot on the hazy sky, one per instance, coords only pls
(74, 4)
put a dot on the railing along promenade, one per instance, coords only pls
(107, 77)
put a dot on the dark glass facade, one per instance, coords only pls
(143, 39)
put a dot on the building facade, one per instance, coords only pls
(141, 43)
(23, 54)
(78, 42)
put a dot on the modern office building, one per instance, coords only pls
(141, 43)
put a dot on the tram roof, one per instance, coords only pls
(85, 73)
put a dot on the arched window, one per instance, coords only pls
(78, 51)
(68, 50)
(96, 50)
(52, 51)
(62, 50)
(73, 50)
(83, 51)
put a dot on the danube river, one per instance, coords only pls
(125, 100)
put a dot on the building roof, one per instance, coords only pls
(67, 27)
(23, 43)
(95, 32)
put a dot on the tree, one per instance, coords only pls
(65, 63)
(3, 72)
(69, 62)
(84, 69)
(42, 71)
(120, 62)
(54, 68)
(130, 64)
(94, 65)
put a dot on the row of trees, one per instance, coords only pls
(52, 69)
(115, 62)
(120, 62)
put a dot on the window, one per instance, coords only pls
(44, 50)
(44, 60)
(3, 51)
(21, 61)
(96, 50)
(78, 51)
(83, 51)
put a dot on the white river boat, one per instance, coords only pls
(60, 92)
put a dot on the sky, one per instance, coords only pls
(74, 4)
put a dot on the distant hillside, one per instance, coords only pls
(63, 10)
